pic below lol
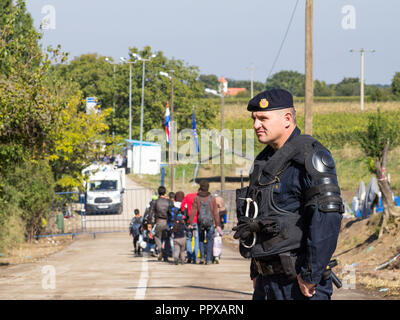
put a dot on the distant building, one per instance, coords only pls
(230, 91)
(151, 157)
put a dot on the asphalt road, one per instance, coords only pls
(105, 268)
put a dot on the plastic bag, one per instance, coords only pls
(217, 247)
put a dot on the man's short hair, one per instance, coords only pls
(204, 185)
(161, 190)
(179, 195)
(171, 195)
(136, 212)
(293, 112)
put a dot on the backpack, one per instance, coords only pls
(135, 225)
(136, 229)
(204, 215)
(172, 216)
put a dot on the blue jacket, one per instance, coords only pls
(322, 229)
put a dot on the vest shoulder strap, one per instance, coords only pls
(295, 150)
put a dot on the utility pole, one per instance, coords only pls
(171, 134)
(141, 118)
(222, 154)
(308, 99)
(113, 117)
(362, 51)
(251, 81)
(130, 100)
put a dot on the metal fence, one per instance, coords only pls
(230, 205)
(67, 214)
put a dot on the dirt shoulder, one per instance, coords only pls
(363, 290)
(360, 251)
(35, 251)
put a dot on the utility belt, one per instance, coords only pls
(283, 263)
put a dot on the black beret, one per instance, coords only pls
(273, 99)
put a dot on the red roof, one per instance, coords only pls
(235, 91)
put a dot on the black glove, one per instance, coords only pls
(245, 228)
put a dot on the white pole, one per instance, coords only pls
(130, 101)
(362, 51)
(141, 121)
(362, 81)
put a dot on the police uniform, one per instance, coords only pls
(290, 214)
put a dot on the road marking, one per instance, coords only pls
(144, 277)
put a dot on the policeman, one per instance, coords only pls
(290, 214)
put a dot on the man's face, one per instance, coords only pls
(268, 125)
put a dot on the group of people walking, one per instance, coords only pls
(179, 226)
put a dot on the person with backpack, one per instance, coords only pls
(135, 229)
(179, 236)
(146, 216)
(177, 201)
(159, 212)
(193, 231)
(175, 210)
(207, 219)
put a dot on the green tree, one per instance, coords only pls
(29, 188)
(321, 89)
(381, 135)
(27, 115)
(40, 122)
(289, 80)
(209, 81)
(26, 108)
(348, 87)
(376, 93)
(93, 74)
(395, 86)
(78, 139)
(19, 46)
(94, 77)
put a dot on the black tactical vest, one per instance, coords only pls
(283, 231)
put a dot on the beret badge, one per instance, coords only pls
(263, 103)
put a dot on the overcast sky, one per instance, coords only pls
(225, 37)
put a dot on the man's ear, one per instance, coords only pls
(287, 119)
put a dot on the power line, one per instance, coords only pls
(283, 40)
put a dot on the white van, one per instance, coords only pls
(105, 185)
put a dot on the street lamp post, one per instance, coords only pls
(130, 94)
(113, 118)
(138, 57)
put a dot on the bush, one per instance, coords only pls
(26, 194)
(12, 230)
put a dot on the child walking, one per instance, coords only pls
(179, 235)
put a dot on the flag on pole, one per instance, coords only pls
(196, 139)
(167, 120)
